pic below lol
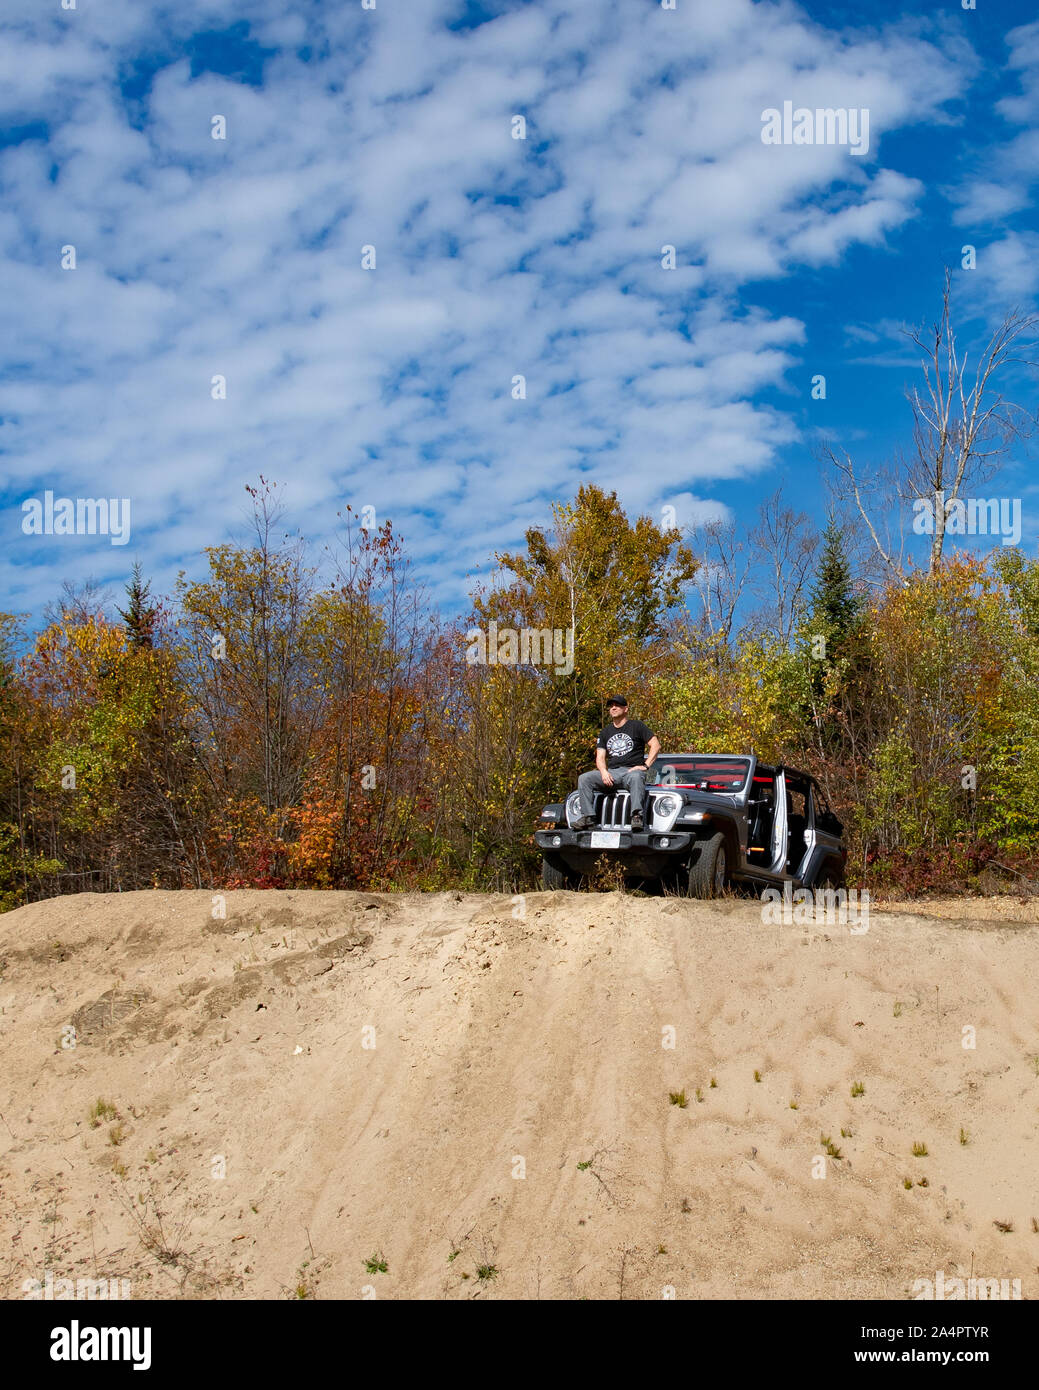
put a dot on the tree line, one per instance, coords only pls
(284, 723)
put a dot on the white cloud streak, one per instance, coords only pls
(496, 257)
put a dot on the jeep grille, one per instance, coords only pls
(614, 810)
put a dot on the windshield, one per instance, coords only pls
(699, 773)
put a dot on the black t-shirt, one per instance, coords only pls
(626, 746)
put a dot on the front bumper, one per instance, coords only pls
(565, 841)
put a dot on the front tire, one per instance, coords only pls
(707, 873)
(556, 875)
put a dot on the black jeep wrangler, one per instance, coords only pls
(710, 819)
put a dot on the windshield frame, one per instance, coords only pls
(739, 762)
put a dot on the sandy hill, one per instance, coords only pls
(480, 1100)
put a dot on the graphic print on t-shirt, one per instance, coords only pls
(620, 745)
(626, 746)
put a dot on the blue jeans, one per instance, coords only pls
(632, 779)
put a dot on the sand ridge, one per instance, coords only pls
(474, 1090)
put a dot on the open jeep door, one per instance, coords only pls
(778, 845)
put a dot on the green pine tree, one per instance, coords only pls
(140, 615)
(834, 644)
(835, 605)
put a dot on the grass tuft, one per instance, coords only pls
(101, 1110)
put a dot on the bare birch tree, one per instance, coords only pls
(962, 426)
(786, 543)
(723, 574)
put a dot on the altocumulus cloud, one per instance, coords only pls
(1005, 173)
(496, 257)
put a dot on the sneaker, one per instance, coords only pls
(584, 823)
(637, 823)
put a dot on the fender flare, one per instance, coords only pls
(715, 824)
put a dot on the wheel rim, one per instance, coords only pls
(719, 871)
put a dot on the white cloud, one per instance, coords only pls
(1005, 172)
(1009, 269)
(495, 257)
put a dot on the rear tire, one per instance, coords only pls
(832, 877)
(708, 870)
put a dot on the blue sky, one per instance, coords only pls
(495, 257)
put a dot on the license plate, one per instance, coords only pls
(606, 839)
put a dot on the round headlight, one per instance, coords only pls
(666, 805)
(557, 839)
(665, 843)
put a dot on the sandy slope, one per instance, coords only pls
(507, 1046)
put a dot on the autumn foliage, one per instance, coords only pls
(279, 723)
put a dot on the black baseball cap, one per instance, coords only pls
(617, 700)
